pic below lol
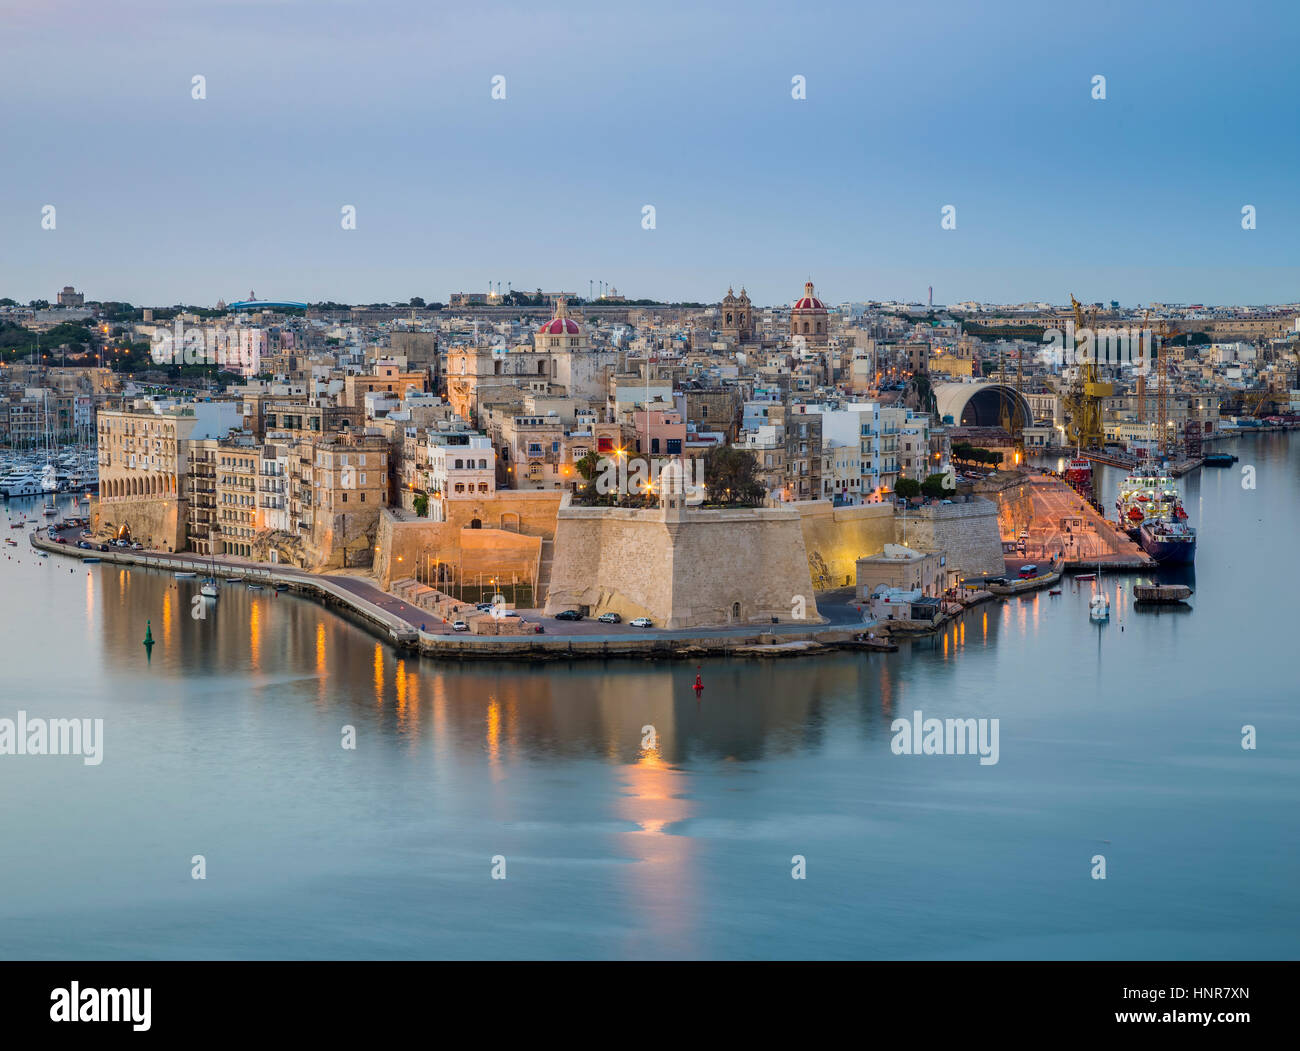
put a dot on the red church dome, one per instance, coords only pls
(561, 324)
(809, 301)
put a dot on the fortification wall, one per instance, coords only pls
(159, 524)
(967, 533)
(683, 568)
(836, 537)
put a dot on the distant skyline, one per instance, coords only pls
(386, 106)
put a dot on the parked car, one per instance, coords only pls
(483, 607)
(60, 539)
(459, 625)
(568, 614)
(137, 546)
(539, 629)
(103, 547)
(85, 534)
(85, 545)
(610, 618)
(642, 622)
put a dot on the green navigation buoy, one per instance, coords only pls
(148, 634)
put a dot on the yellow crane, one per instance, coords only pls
(1086, 393)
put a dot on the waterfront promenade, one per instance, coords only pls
(408, 627)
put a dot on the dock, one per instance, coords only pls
(1064, 525)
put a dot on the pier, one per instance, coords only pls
(1064, 526)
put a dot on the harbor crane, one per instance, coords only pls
(1084, 397)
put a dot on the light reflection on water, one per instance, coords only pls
(1120, 738)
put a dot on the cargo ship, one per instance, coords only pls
(1150, 510)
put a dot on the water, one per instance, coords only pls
(1123, 743)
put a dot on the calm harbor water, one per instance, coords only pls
(1121, 740)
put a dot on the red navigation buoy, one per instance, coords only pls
(699, 683)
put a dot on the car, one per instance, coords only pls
(642, 622)
(85, 545)
(122, 543)
(137, 546)
(483, 607)
(60, 539)
(568, 614)
(610, 618)
(459, 625)
(103, 547)
(85, 534)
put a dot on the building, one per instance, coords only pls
(737, 317)
(809, 319)
(70, 297)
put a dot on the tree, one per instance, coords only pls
(421, 503)
(935, 486)
(907, 488)
(731, 476)
(416, 301)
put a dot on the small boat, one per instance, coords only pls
(1099, 608)
(11, 541)
(233, 580)
(209, 588)
(49, 511)
(185, 575)
(91, 561)
(42, 554)
(281, 587)
(1220, 460)
(16, 525)
(1086, 576)
(254, 587)
(1055, 591)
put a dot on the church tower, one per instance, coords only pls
(737, 317)
(808, 319)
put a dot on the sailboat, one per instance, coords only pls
(49, 476)
(209, 586)
(1099, 604)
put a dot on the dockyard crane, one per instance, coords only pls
(1085, 395)
(1142, 371)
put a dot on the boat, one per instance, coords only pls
(281, 586)
(254, 587)
(185, 575)
(1172, 542)
(1099, 607)
(1055, 591)
(42, 554)
(1086, 576)
(16, 525)
(1219, 460)
(91, 561)
(1151, 512)
(1162, 593)
(49, 510)
(233, 580)
(209, 588)
(11, 541)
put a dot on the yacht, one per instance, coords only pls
(26, 485)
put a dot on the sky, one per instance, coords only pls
(386, 106)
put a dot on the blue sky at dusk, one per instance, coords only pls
(610, 106)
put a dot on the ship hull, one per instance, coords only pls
(1169, 552)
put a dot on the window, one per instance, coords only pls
(460, 465)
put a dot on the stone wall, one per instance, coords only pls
(683, 568)
(159, 523)
(836, 537)
(967, 533)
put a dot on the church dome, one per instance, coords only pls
(809, 301)
(561, 324)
